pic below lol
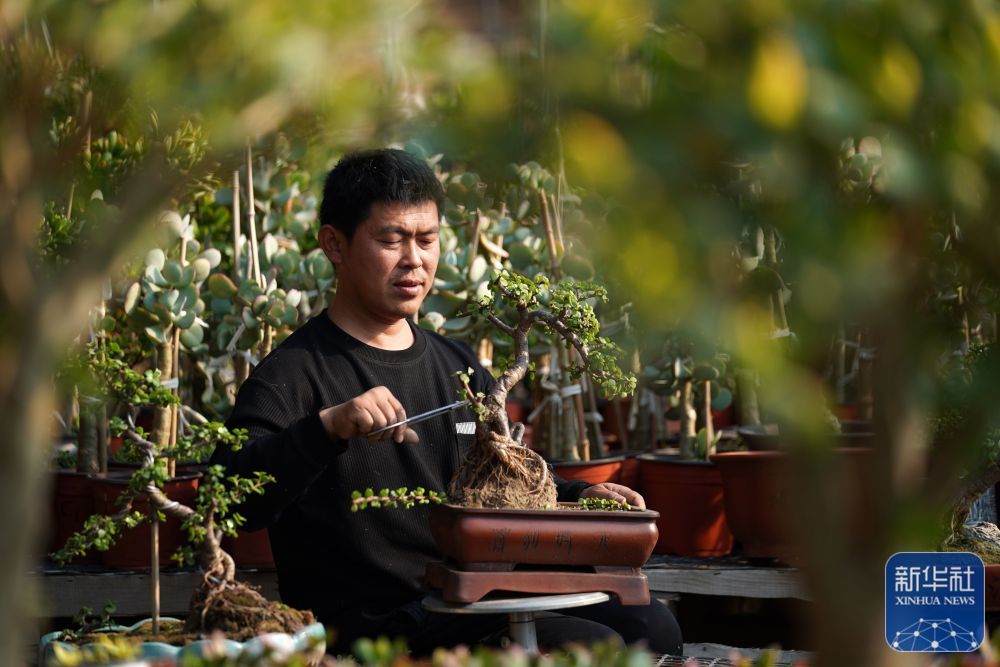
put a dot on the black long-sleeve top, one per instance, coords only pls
(349, 567)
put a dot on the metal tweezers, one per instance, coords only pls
(423, 416)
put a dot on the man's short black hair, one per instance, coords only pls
(384, 175)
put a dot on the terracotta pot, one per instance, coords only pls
(251, 550)
(543, 537)
(610, 424)
(760, 493)
(688, 495)
(131, 551)
(72, 504)
(595, 471)
(630, 471)
(515, 411)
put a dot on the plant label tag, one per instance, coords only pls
(465, 428)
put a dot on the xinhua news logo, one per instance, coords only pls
(935, 602)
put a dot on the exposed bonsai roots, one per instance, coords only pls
(501, 473)
(982, 539)
(241, 612)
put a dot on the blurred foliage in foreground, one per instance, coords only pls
(866, 133)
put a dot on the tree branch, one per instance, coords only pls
(554, 323)
(516, 371)
(500, 324)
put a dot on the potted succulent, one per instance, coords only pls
(758, 484)
(686, 488)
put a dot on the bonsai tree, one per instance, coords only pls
(219, 602)
(499, 471)
(529, 222)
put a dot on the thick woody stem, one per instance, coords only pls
(497, 398)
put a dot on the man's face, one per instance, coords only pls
(388, 268)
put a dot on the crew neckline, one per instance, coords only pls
(376, 353)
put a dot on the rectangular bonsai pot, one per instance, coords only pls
(562, 536)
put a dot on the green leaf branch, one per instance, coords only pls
(401, 497)
(564, 310)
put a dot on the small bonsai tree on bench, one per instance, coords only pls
(499, 471)
(220, 602)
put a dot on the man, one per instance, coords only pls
(359, 366)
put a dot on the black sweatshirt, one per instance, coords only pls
(349, 567)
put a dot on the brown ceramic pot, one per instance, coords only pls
(561, 536)
(132, 550)
(595, 471)
(688, 495)
(760, 495)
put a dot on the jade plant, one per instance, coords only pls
(498, 470)
(528, 223)
(219, 601)
(692, 385)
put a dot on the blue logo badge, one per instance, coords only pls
(935, 601)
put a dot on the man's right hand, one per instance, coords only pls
(368, 412)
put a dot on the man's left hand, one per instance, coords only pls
(618, 492)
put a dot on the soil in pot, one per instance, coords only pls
(689, 498)
(595, 471)
(131, 551)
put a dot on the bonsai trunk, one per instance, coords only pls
(499, 471)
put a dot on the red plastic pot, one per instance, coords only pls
(688, 495)
(610, 425)
(72, 504)
(132, 550)
(596, 471)
(251, 550)
(760, 495)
